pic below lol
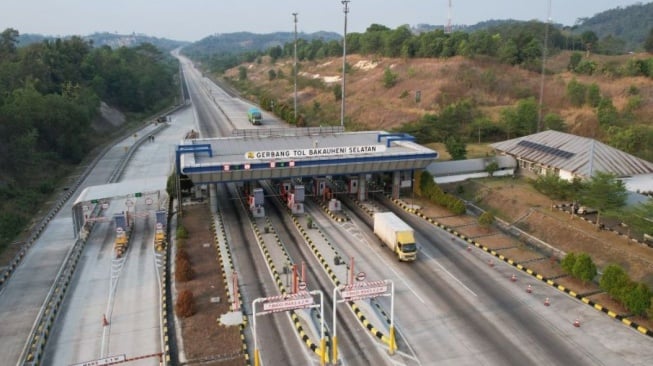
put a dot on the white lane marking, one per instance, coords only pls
(450, 274)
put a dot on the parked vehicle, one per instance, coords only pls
(254, 116)
(396, 235)
(584, 210)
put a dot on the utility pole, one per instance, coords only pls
(544, 51)
(344, 63)
(295, 66)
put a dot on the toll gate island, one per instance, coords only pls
(299, 156)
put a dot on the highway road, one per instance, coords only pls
(450, 306)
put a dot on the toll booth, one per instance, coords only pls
(352, 185)
(296, 200)
(335, 205)
(320, 186)
(256, 202)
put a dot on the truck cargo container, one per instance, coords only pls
(396, 235)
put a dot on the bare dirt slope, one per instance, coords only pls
(492, 86)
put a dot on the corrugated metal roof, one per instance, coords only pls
(580, 155)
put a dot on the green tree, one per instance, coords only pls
(613, 280)
(492, 167)
(584, 268)
(456, 148)
(337, 92)
(554, 122)
(272, 75)
(640, 217)
(553, 187)
(593, 95)
(574, 60)
(605, 193)
(589, 39)
(568, 262)
(242, 73)
(607, 113)
(522, 119)
(638, 298)
(8, 42)
(275, 53)
(576, 92)
(648, 43)
(389, 78)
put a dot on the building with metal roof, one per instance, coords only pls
(570, 156)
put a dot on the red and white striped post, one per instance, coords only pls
(234, 278)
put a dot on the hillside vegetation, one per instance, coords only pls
(478, 86)
(475, 99)
(51, 97)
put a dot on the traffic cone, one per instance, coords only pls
(529, 289)
(577, 323)
(105, 322)
(513, 278)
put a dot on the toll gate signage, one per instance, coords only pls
(288, 304)
(363, 290)
(314, 152)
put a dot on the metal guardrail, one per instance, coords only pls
(287, 132)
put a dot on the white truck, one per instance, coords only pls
(396, 235)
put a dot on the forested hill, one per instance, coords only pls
(631, 24)
(108, 39)
(241, 42)
(51, 93)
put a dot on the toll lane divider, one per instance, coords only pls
(316, 252)
(268, 258)
(522, 268)
(166, 294)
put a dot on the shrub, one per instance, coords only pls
(182, 233)
(185, 306)
(486, 219)
(568, 262)
(183, 270)
(584, 269)
(182, 254)
(638, 299)
(614, 279)
(389, 78)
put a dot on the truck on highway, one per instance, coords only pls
(254, 116)
(396, 235)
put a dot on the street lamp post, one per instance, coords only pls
(344, 64)
(295, 67)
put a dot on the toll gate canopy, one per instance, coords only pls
(279, 153)
(136, 189)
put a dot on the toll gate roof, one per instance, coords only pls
(276, 153)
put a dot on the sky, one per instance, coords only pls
(192, 20)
